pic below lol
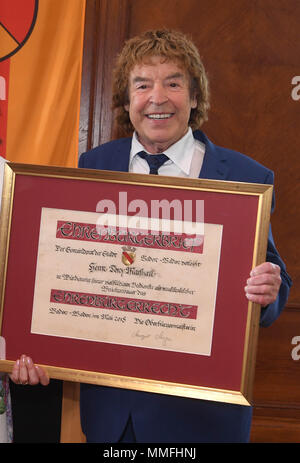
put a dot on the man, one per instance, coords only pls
(161, 92)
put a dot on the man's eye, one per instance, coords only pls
(142, 87)
(174, 84)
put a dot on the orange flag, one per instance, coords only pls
(41, 44)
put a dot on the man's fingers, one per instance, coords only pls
(26, 372)
(264, 279)
(43, 376)
(266, 275)
(23, 372)
(14, 376)
(263, 285)
(258, 289)
(266, 267)
(260, 299)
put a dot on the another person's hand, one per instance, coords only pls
(263, 284)
(26, 372)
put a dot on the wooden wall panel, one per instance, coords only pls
(276, 369)
(277, 378)
(251, 52)
(106, 25)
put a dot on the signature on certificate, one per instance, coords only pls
(140, 336)
(164, 340)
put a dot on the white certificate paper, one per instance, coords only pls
(148, 289)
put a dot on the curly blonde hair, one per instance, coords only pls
(173, 46)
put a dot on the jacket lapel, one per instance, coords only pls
(121, 156)
(215, 164)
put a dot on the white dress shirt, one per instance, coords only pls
(185, 157)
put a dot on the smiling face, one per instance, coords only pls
(160, 103)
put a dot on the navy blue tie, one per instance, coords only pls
(155, 161)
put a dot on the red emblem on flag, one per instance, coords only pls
(17, 20)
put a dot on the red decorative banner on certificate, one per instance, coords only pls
(133, 237)
(139, 306)
(129, 286)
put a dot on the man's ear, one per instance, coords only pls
(194, 101)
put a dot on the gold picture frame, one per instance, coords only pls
(226, 373)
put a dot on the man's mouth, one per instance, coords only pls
(159, 116)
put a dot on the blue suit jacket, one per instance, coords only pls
(164, 419)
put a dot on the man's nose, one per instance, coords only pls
(158, 95)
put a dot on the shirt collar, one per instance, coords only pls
(181, 153)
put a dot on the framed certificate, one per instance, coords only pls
(132, 281)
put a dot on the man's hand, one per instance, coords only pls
(263, 284)
(26, 372)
